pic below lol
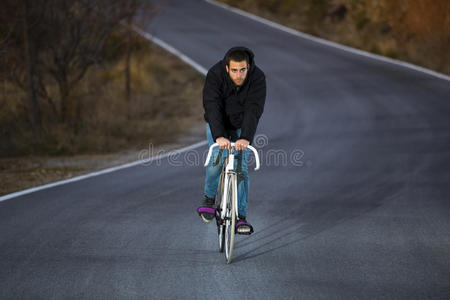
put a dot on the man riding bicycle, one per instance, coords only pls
(233, 98)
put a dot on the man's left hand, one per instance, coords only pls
(241, 144)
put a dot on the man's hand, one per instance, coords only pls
(223, 143)
(241, 144)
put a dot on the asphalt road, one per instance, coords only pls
(351, 202)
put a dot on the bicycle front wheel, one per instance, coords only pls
(220, 223)
(230, 218)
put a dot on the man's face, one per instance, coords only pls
(238, 71)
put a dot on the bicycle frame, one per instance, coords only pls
(228, 211)
(230, 173)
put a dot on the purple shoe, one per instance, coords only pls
(243, 227)
(207, 211)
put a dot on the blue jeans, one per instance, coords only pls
(215, 167)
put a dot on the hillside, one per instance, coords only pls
(416, 31)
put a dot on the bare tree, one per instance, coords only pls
(18, 56)
(30, 61)
(57, 40)
(150, 11)
(78, 32)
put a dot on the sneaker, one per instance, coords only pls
(242, 226)
(207, 211)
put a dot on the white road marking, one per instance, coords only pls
(101, 172)
(171, 49)
(328, 43)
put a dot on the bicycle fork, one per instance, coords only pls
(229, 178)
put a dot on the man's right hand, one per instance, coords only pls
(223, 143)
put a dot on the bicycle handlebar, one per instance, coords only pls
(232, 145)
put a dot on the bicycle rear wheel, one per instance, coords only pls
(230, 218)
(221, 236)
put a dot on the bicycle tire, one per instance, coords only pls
(230, 218)
(220, 226)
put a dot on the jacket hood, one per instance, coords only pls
(250, 56)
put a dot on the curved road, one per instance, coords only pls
(364, 213)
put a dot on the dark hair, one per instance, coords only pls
(237, 55)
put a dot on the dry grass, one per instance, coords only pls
(164, 108)
(165, 101)
(416, 31)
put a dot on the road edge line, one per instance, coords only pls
(101, 172)
(327, 42)
(170, 49)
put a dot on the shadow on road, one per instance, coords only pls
(310, 219)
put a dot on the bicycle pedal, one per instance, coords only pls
(244, 232)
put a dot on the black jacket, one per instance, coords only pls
(229, 107)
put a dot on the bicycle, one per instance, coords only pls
(226, 210)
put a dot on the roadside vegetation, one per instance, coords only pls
(80, 91)
(415, 31)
